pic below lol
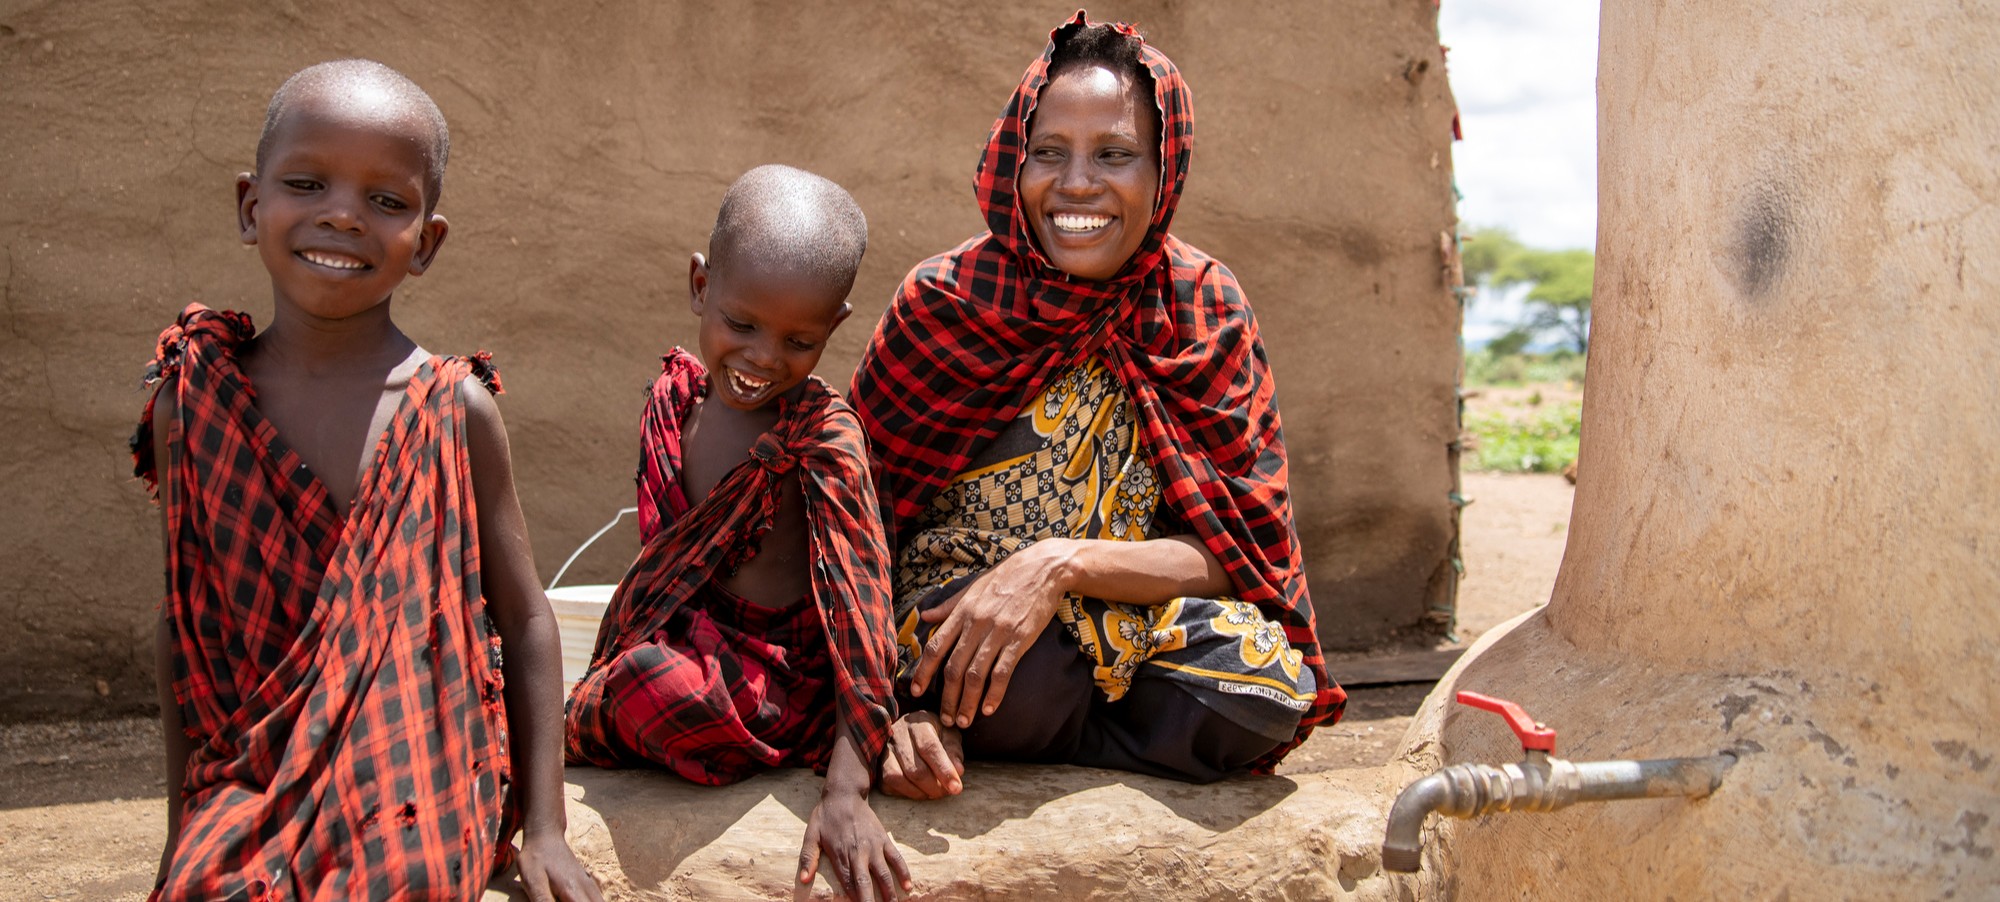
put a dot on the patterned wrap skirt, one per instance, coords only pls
(1071, 466)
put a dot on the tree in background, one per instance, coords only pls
(1558, 299)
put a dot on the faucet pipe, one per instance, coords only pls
(1539, 782)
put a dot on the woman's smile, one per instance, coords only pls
(1092, 174)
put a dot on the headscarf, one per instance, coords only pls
(976, 333)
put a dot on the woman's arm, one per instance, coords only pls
(532, 661)
(988, 626)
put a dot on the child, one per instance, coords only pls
(338, 720)
(753, 630)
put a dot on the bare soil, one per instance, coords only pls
(82, 803)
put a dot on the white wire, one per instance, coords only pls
(586, 544)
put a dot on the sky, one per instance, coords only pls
(1525, 76)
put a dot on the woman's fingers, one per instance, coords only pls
(1002, 672)
(940, 645)
(977, 672)
(942, 609)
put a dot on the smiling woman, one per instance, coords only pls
(1080, 462)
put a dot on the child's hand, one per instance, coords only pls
(867, 866)
(925, 760)
(550, 871)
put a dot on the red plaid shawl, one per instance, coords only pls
(818, 436)
(977, 332)
(338, 676)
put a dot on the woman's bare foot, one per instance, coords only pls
(926, 759)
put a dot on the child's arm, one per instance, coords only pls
(866, 863)
(531, 653)
(166, 410)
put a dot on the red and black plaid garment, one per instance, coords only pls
(337, 676)
(686, 676)
(977, 332)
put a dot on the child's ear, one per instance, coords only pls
(246, 207)
(428, 243)
(697, 283)
(840, 316)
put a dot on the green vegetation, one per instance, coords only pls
(1506, 428)
(1543, 442)
(1495, 364)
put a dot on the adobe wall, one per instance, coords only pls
(591, 146)
(1784, 541)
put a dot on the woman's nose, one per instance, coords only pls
(1077, 176)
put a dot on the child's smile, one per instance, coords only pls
(338, 212)
(748, 389)
(762, 331)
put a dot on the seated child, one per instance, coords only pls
(339, 722)
(753, 632)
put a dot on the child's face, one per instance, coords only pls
(337, 213)
(761, 332)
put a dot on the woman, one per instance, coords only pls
(1080, 462)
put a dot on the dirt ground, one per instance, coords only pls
(81, 802)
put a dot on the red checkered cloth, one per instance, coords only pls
(713, 687)
(977, 332)
(337, 675)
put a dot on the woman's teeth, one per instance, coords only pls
(332, 261)
(746, 385)
(1072, 222)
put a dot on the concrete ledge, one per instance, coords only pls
(1018, 832)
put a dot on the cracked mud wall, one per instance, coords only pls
(591, 146)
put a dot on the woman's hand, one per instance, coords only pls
(867, 866)
(989, 625)
(926, 759)
(550, 871)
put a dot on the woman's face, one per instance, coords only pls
(1092, 171)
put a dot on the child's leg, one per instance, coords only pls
(671, 703)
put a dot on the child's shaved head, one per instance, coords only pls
(365, 82)
(790, 219)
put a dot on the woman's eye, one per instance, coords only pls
(1046, 154)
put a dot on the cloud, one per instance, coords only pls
(1524, 75)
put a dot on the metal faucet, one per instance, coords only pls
(1539, 783)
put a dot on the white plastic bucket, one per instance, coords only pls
(579, 609)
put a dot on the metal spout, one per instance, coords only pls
(1537, 783)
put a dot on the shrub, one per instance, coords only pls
(1544, 442)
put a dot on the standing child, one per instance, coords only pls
(753, 630)
(339, 720)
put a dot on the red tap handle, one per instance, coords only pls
(1534, 736)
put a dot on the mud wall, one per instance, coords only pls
(1782, 542)
(591, 146)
